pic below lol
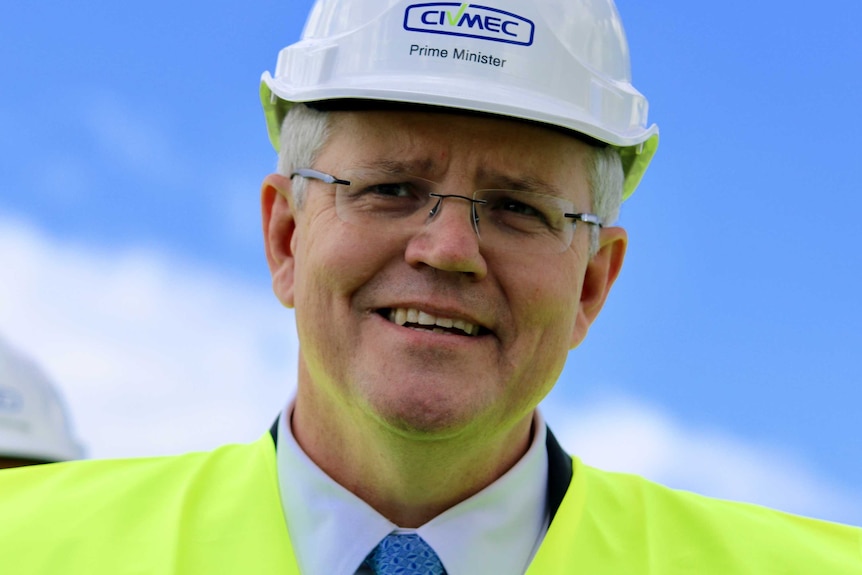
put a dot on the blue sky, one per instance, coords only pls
(726, 360)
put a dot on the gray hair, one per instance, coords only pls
(605, 177)
(304, 131)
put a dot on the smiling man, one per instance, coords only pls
(442, 222)
(433, 317)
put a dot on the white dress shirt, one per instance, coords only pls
(497, 530)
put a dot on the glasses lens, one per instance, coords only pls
(519, 221)
(379, 199)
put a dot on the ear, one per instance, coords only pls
(279, 227)
(601, 273)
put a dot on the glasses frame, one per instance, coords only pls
(312, 174)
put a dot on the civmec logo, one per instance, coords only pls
(470, 21)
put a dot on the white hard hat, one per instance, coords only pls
(558, 62)
(33, 419)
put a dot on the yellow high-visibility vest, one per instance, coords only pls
(220, 513)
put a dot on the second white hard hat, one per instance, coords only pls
(34, 423)
(558, 62)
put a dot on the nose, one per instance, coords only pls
(449, 239)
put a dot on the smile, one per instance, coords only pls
(419, 320)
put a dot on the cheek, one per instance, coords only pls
(546, 311)
(551, 298)
(333, 261)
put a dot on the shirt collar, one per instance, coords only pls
(497, 530)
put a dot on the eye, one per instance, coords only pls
(392, 190)
(517, 211)
(522, 212)
(378, 198)
(519, 208)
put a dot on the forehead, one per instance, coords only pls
(433, 143)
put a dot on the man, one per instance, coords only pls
(441, 221)
(34, 424)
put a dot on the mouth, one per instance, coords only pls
(419, 320)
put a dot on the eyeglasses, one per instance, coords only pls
(510, 220)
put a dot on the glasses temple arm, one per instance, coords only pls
(586, 218)
(315, 175)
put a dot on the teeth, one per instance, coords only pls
(426, 318)
(402, 316)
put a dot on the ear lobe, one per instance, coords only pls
(279, 227)
(601, 273)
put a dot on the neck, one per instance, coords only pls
(409, 478)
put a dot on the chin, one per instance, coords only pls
(424, 419)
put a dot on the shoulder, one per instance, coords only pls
(635, 524)
(152, 510)
(115, 478)
(645, 500)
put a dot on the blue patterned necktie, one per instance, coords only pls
(404, 554)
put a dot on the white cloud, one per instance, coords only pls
(620, 433)
(154, 355)
(157, 356)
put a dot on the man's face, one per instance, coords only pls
(348, 283)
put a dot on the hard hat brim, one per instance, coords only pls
(636, 148)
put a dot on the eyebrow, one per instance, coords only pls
(424, 166)
(525, 183)
(389, 166)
